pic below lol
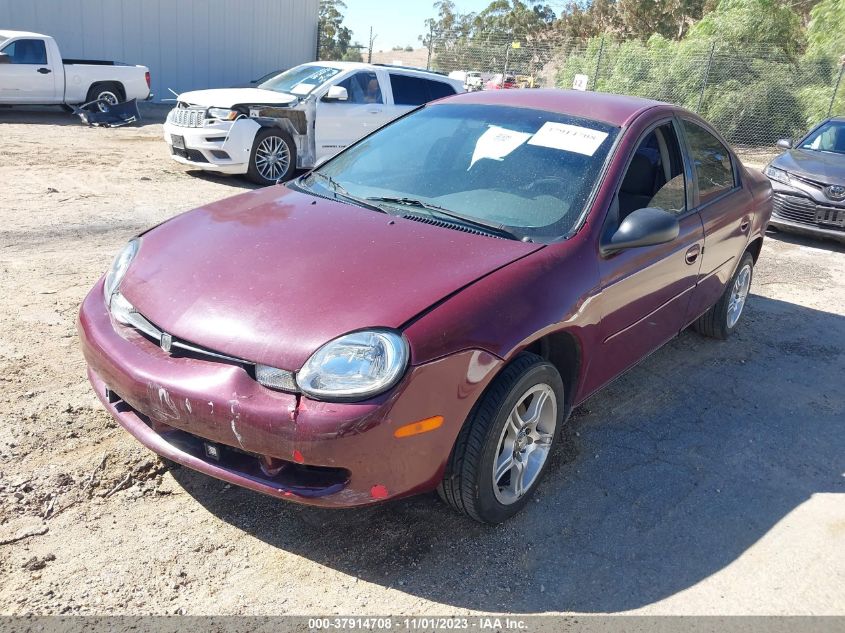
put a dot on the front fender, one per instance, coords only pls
(549, 291)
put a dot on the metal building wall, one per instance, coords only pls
(187, 44)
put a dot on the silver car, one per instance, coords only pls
(809, 182)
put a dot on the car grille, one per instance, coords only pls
(188, 117)
(805, 211)
(178, 346)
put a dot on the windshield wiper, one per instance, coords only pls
(435, 208)
(340, 191)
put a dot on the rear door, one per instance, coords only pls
(645, 292)
(341, 123)
(25, 75)
(725, 210)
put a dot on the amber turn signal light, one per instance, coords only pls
(423, 426)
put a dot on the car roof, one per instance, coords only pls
(601, 106)
(10, 34)
(422, 72)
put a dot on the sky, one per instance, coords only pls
(395, 22)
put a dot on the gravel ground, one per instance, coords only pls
(708, 480)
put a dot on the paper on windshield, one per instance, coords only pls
(497, 142)
(569, 138)
(302, 89)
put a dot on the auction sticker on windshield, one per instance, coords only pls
(569, 138)
(497, 142)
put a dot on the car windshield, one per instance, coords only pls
(530, 171)
(830, 137)
(301, 80)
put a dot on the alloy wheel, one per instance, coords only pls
(525, 443)
(739, 293)
(272, 158)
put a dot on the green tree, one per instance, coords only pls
(752, 22)
(826, 30)
(335, 38)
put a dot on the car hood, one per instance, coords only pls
(270, 276)
(824, 167)
(231, 97)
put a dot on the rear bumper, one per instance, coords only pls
(334, 455)
(224, 147)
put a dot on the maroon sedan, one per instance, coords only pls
(424, 310)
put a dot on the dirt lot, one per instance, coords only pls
(709, 480)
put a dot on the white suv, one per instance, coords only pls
(295, 119)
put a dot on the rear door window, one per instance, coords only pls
(438, 90)
(408, 90)
(26, 52)
(712, 162)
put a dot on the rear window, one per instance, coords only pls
(416, 91)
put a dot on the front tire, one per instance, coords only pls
(273, 157)
(721, 320)
(502, 451)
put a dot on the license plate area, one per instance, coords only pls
(830, 217)
(177, 141)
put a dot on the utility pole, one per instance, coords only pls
(370, 52)
(430, 44)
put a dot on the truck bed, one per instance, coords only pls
(91, 62)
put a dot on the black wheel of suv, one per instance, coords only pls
(502, 451)
(273, 157)
(721, 320)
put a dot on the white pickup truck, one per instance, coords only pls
(33, 72)
(296, 118)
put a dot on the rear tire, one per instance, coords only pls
(494, 466)
(721, 320)
(109, 91)
(273, 157)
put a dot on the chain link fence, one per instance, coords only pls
(753, 95)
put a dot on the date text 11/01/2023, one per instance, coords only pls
(482, 623)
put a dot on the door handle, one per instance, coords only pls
(692, 254)
(44, 71)
(745, 224)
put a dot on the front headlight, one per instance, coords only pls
(118, 269)
(777, 174)
(223, 114)
(355, 366)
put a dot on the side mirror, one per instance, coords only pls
(785, 143)
(336, 93)
(643, 227)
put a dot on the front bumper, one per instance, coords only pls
(223, 147)
(806, 229)
(803, 215)
(330, 454)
